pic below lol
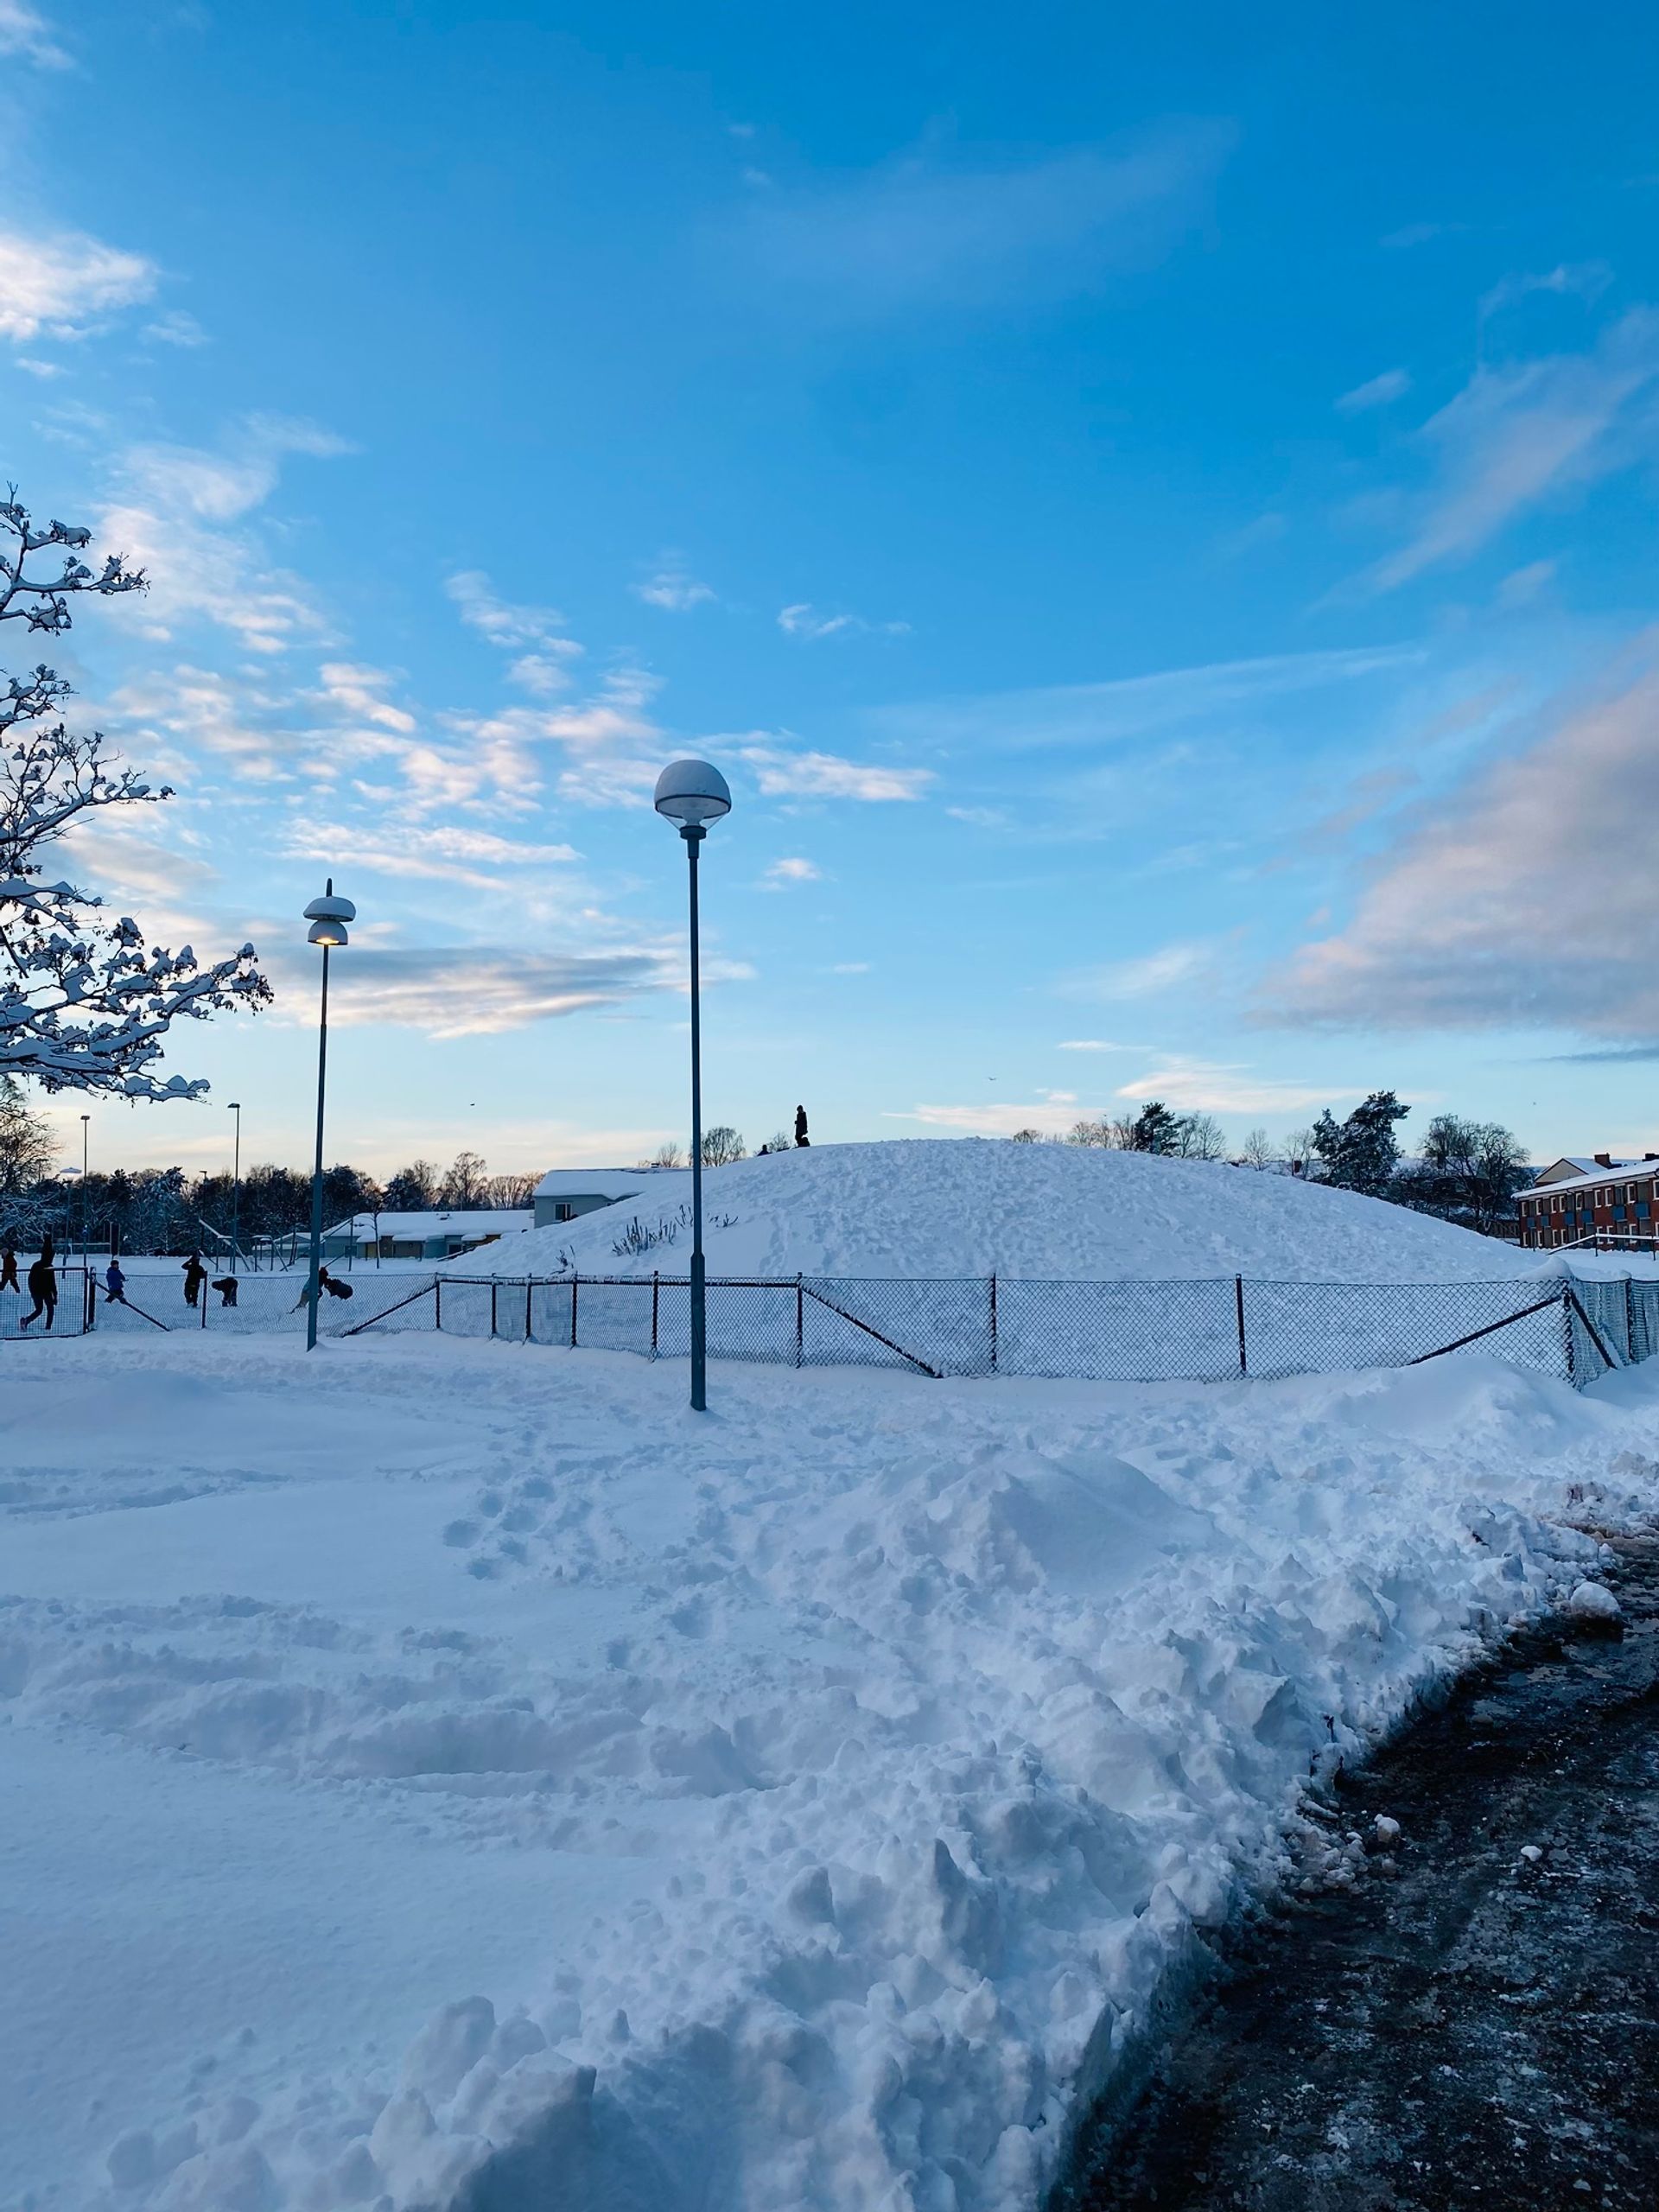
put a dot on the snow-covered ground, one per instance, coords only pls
(943, 1207)
(432, 1759)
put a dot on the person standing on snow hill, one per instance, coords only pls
(801, 1137)
(194, 1276)
(9, 1268)
(115, 1283)
(43, 1289)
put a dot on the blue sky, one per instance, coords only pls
(1152, 511)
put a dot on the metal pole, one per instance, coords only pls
(84, 1119)
(314, 1290)
(236, 1191)
(693, 834)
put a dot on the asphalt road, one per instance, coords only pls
(1479, 2028)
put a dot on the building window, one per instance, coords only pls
(563, 1210)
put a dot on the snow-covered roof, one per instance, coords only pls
(1621, 1171)
(594, 1182)
(1583, 1164)
(480, 1221)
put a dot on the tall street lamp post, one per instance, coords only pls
(693, 794)
(328, 917)
(235, 1108)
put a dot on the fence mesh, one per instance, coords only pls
(1198, 1330)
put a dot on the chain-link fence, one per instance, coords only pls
(980, 1325)
(29, 1309)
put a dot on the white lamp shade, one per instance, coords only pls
(326, 930)
(331, 909)
(692, 790)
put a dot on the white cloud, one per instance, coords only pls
(825, 775)
(1205, 1087)
(1098, 1045)
(170, 515)
(851, 967)
(1522, 586)
(483, 991)
(1588, 279)
(1518, 434)
(1524, 899)
(60, 286)
(448, 853)
(356, 692)
(1168, 970)
(915, 235)
(542, 670)
(177, 328)
(22, 30)
(802, 620)
(671, 587)
(1393, 383)
(782, 873)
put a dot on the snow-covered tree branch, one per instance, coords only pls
(85, 1002)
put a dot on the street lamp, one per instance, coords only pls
(693, 794)
(235, 1107)
(328, 917)
(84, 1119)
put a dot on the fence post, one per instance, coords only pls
(204, 1303)
(492, 1309)
(654, 1313)
(1629, 1319)
(1566, 1324)
(574, 1279)
(800, 1323)
(437, 1302)
(1239, 1302)
(528, 1292)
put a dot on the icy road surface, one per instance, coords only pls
(436, 1768)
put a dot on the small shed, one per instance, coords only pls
(565, 1193)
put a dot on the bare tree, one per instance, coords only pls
(666, 1156)
(413, 1189)
(466, 1183)
(1198, 1136)
(1258, 1150)
(1301, 1152)
(1025, 1136)
(511, 1192)
(84, 1004)
(721, 1144)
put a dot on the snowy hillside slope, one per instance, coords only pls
(942, 1207)
(448, 1774)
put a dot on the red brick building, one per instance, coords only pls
(1611, 1201)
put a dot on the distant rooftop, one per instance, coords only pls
(479, 1221)
(594, 1182)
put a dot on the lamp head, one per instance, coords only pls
(329, 917)
(692, 792)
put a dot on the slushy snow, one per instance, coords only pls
(441, 1773)
(933, 1207)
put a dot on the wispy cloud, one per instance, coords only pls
(483, 991)
(535, 635)
(173, 514)
(1379, 391)
(447, 853)
(920, 234)
(671, 587)
(1518, 434)
(1098, 1045)
(803, 620)
(23, 30)
(783, 874)
(826, 775)
(1050, 1116)
(1208, 1087)
(1523, 900)
(60, 286)
(1127, 707)
(176, 327)
(1171, 968)
(1588, 279)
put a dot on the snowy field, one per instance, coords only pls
(442, 1774)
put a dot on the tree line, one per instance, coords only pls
(1464, 1171)
(165, 1210)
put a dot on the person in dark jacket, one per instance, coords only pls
(115, 1283)
(801, 1137)
(325, 1281)
(43, 1289)
(227, 1288)
(9, 1268)
(194, 1276)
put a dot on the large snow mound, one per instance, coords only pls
(935, 1207)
